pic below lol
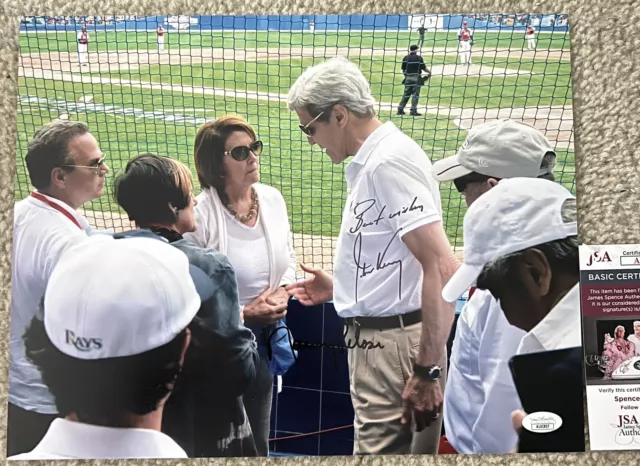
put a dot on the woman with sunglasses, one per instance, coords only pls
(248, 222)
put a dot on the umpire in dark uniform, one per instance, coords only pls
(412, 68)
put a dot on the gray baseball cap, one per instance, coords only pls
(502, 148)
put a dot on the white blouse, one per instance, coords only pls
(247, 251)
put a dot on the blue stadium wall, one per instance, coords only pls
(288, 23)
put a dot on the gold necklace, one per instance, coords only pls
(253, 211)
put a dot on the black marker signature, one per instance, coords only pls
(298, 345)
(363, 207)
(368, 269)
(359, 213)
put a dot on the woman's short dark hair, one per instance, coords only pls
(153, 189)
(104, 392)
(209, 149)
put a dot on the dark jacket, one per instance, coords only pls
(205, 414)
(413, 65)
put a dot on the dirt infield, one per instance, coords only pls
(110, 62)
(546, 121)
(556, 123)
(312, 250)
(316, 251)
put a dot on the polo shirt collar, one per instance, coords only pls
(65, 206)
(559, 329)
(361, 157)
(71, 439)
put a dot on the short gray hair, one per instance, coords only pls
(548, 162)
(335, 81)
(49, 149)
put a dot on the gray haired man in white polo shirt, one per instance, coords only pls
(111, 347)
(392, 258)
(480, 391)
(67, 169)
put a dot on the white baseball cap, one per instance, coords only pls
(109, 298)
(516, 214)
(502, 148)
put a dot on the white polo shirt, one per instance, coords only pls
(390, 191)
(560, 329)
(40, 235)
(481, 394)
(74, 440)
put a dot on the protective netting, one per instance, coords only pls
(138, 95)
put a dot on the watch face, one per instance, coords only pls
(435, 372)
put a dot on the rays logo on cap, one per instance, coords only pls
(81, 343)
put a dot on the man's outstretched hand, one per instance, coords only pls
(312, 291)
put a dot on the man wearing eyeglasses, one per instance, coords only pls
(391, 262)
(67, 170)
(480, 391)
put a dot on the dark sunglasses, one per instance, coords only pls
(308, 129)
(241, 153)
(462, 182)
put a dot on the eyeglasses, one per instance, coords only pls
(97, 167)
(306, 129)
(241, 153)
(462, 182)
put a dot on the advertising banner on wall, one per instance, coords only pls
(430, 22)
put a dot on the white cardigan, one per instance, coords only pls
(211, 231)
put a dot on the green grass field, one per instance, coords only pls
(313, 187)
(140, 40)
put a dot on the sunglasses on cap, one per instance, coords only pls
(308, 129)
(241, 153)
(462, 182)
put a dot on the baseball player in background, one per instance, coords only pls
(312, 27)
(160, 32)
(531, 38)
(465, 41)
(83, 46)
(421, 31)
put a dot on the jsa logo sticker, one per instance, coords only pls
(598, 257)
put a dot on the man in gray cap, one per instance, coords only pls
(481, 394)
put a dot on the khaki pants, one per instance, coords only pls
(377, 377)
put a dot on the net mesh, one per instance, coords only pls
(141, 94)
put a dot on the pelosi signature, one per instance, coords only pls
(337, 350)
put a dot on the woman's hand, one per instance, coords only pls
(264, 310)
(280, 296)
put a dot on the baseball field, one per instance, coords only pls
(138, 99)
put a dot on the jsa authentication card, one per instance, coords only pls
(610, 301)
